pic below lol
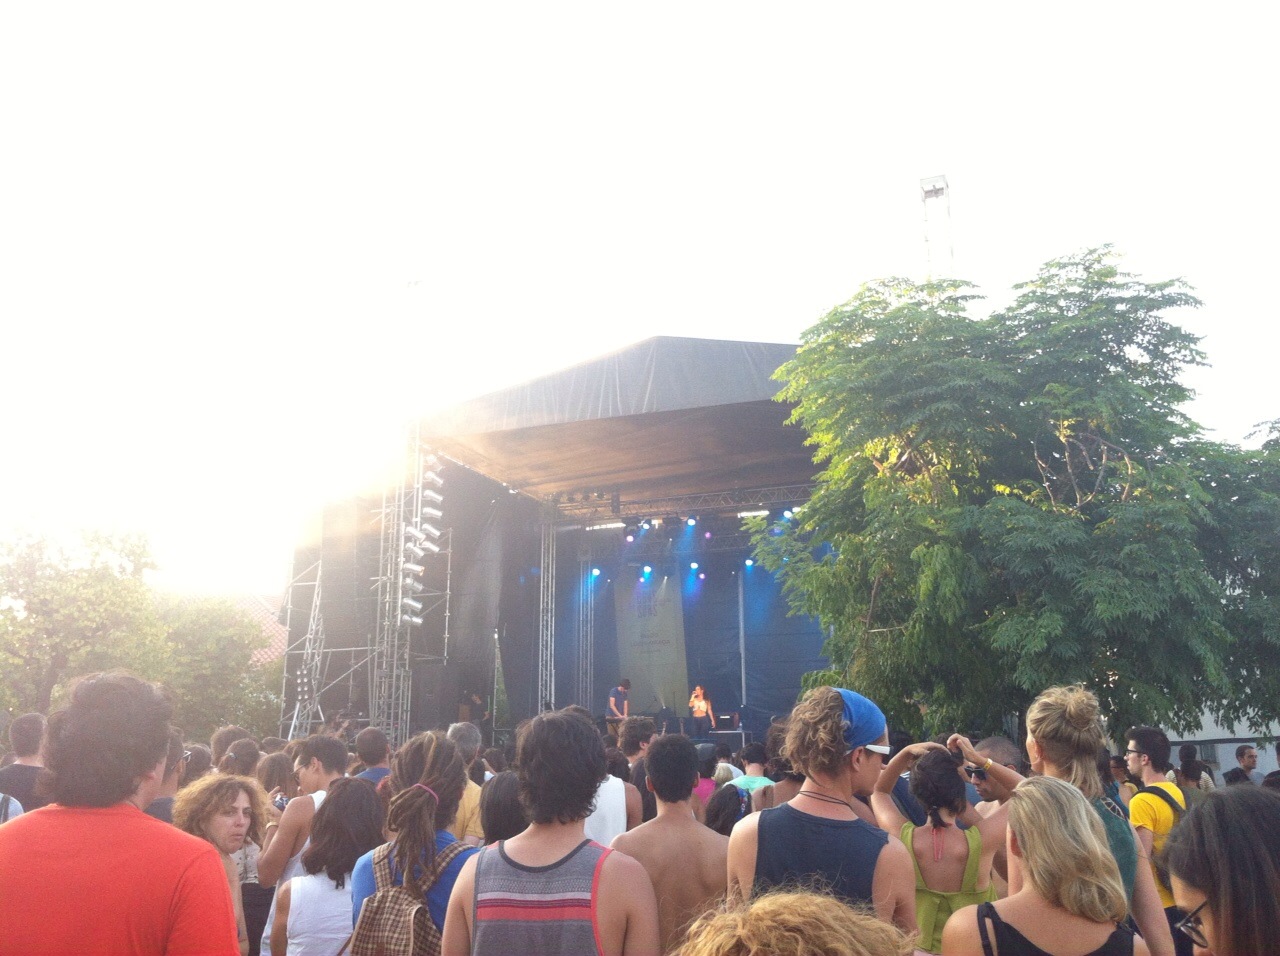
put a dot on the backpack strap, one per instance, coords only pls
(442, 861)
(1164, 795)
(382, 875)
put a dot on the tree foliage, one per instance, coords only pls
(66, 612)
(1017, 501)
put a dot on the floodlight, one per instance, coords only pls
(435, 496)
(413, 568)
(414, 550)
(434, 478)
(410, 619)
(411, 604)
(431, 530)
(429, 512)
(414, 533)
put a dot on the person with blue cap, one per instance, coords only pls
(839, 740)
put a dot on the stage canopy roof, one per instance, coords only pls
(666, 422)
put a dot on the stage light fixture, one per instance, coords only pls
(431, 530)
(645, 525)
(606, 526)
(414, 550)
(434, 478)
(763, 513)
(702, 575)
(431, 546)
(414, 533)
(648, 569)
(691, 521)
(630, 538)
(413, 568)
(410, 619)
(411, 604)
(693, 565)
(413, 585)
(788, 513)
(429, 512)
(435, 496)
(595, 572)
(748, 562)
(707, 535)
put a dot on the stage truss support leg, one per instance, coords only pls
(547, 620)
(586, 630)
(309, 676)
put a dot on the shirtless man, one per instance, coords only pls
(1006, 753)
(686, 861)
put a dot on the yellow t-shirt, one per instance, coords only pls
(467, 822)
(1151, 813)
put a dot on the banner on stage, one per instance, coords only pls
(651, 648)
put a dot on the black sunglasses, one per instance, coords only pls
(1190, 927)
(977, 773)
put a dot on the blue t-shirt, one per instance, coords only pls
(374, 774)
(618, 697)
(363, 886)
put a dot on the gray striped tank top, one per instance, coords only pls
(536, 909)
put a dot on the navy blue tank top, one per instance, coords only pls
(796, 848)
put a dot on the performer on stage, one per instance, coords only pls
(619, 708)
(704, 718)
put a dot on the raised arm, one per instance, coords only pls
(888, 816)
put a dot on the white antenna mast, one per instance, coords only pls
(935, 195)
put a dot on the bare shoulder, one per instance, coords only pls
(621, 868)
(960, 935)
(745, 829)
(628, 841)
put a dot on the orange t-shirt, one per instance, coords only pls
(110, 880)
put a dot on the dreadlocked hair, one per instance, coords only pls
(426, 783)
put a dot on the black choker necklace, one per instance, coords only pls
(826, 799)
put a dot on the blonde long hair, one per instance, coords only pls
(793, 923)
(1064, 850)
(1067, 724)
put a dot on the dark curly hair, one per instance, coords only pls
(815, 734)
(935, 783)
(199, 803)
(346, 827)
(560, 763)
(426, 783)
(114, 730)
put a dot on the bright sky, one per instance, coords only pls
(242, 243)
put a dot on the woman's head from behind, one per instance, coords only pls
(793, 923)
(347, 826)
(1062, 847)
(276, 771)
(936, 783)
(1225, 854)
(426, 783)
(1064, 735)
(502, 815)
(241, 758)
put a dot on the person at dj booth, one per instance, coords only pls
(704, 717)
(619, 708)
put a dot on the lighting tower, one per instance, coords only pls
(935, 195)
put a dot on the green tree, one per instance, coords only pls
(1011, 502)
(68, 612)
(210, 671)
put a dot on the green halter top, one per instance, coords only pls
(934, 907)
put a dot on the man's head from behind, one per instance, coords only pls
(114, 731)
(754, 753)
(25, 734)
(672, 762)
(635, 734)
(466, 737)
(560, 763)
(372, 747)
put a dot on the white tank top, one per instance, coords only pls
(609, 818)
(319, 915)
(291, 869)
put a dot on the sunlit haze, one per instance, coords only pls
(244, 243)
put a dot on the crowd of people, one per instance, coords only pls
(831, 837)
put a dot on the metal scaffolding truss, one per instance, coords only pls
(586, 628)
(720, 501)
(547, 619)
(412, 537)
(309, 675)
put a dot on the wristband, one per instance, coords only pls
(987, 765)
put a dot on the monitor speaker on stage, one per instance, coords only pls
(736, 739)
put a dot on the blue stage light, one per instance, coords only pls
(748, 562)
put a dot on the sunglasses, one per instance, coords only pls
(881, 749)
(186, 755)
(1190, 927)
(977, 773)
